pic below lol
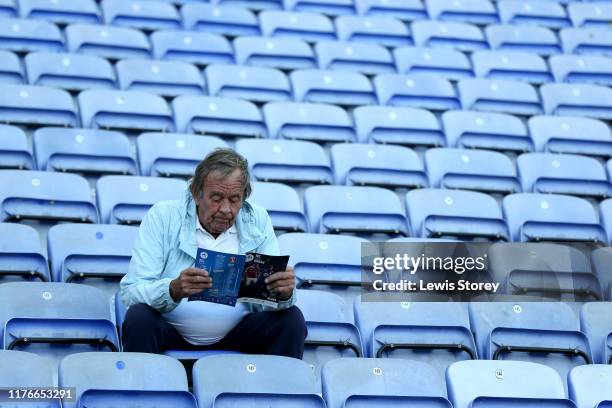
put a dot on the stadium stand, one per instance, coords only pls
(447, 63)
(218, 19)
(515, 65)
(406, 10)
(600, 258)
(25, 35)
(21, 254)
(22, 369)
(282, 53)
(37, 106)
(590, 15)
(586, 41)
(537, 40)
(460, 36)
(143, 15)
(369, 59)
(61, 12)
(108, 42)
(587, 385)
(8, 8)
(596, 323)
(283, 205)
(344, 88)
(309, 27)
(190, 46)
(591, 69)
(605, 216)
(14, 150)
(328, 7)
(11, 71)
(165, 78)
(256, 5)
(475, 12)
(499, 95)
(417, 91)
(385, 31)
(542, 14)
(577, 100)
(257, 84)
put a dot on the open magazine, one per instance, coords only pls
(239, 278)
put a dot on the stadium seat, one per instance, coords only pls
(37, 105)
(107, 41)
(475, 11)
(577, 100)
(590, 15)
(308, 121)
(11, 71)
(282, 53)
(605, 215)
(418, 91)
(256, 5)
(327, 86)
(447, 63)
(515, 65)
(505, 383)
(596, 323)
(216, 19)
(61, 12)
(108, 379)
(142, 15)
(328, 7)
(23, 35)
(601, 259)
(551, 217)
(571, 135)
(224, 116)
(359, 57)
(256, 381)
(173, 154)
(591, 69)
(527, 12)
(499, 95)
(491, 131)
(536, 40)
(397, 125)
(363, 382)
(563, 174)
(286, 161)
(479, 170)
(19, 369)
(124, 110)
(437, 34)
(363, 164)
(588, 386)
(21, 254)
(73, 72)
(309, 27)
(192, 46)
(586, 41)
(42, 195)
(126, 199)
(437, 213)
(8, 8)
(14, 150)
(385, 31)
(83, 151)
(360, 210)
(165, 78)
(406, 10)
(282, 204)
(256, 84)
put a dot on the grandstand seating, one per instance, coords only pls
(590, 15)
(499, 95)
(406, 10)
(37, 106)
(542, 14)
(586, 41)
(385, 31)
(283, 205)
(475, 12)
(257, 84)
(596, 323)
(25, 35)
(11, 71)
(21, 254)
(309, 27)
(460, 36)
(537, 40)
(519, 66)
(219, 19)
(577, 100)
(194, 47)
(22, 369)
(447, 63)
(587, 385)
(61, 12)
(353, 56)
(592, 69)
(14, 150)
(107, 41)
(282, 53)
(328, 7)
(601, 257)
(416, 91)
(165, 78)
(326, 86)
(148, 15)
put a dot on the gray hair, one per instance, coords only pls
(224, 161)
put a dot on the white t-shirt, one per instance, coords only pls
(204, 323)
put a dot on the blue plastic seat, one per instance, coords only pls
(20, 369)
(397, 125)
(447, 63)
(437, 213)
(526, 12)
(537, 40)
(499, 95)
(103, 379)
(73, 72)
(286, 161)
(484, 130)
(419, 91)
(580, 100)
(308, 121)
(222, 116)
(283, 53)
(348, 209)
(437, 34)
(256, 84)
(514, 65)
(590, 15)
(478, 170)
(192, 46)
(61, 12)
(224, 20)
(283, 205)
(596, 323)
(475, 11)
(601, 258)
(385, 31)
(563, 174)
(107, 41)
(377, 165)
(586, 41)
(24, 35)
(406, 10)
(328, 7)
(256, 5)
(8, 8)
(309, 27)
(11, 71)
(143, 15)
(588, 386)
(591, 69)
(166, 78)
(14, 150)
(327, 86)
(605, 215)
(37, 105)
(21, 254)
(256, 381)
(551, 217)
(126, 199)
(44, 195)
(173, 154)
(131, 110)
(354, 56)
(83, 151)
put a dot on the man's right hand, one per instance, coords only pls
(189, 282)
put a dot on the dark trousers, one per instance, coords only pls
(279, 333)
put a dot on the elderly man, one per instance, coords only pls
(215, 215)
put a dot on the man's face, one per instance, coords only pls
(220, 202)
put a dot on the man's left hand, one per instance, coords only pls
(282, 283)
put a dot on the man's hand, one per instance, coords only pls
(189, 282)
(282, 283)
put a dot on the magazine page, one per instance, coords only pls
(257, 268)
(226, 273)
